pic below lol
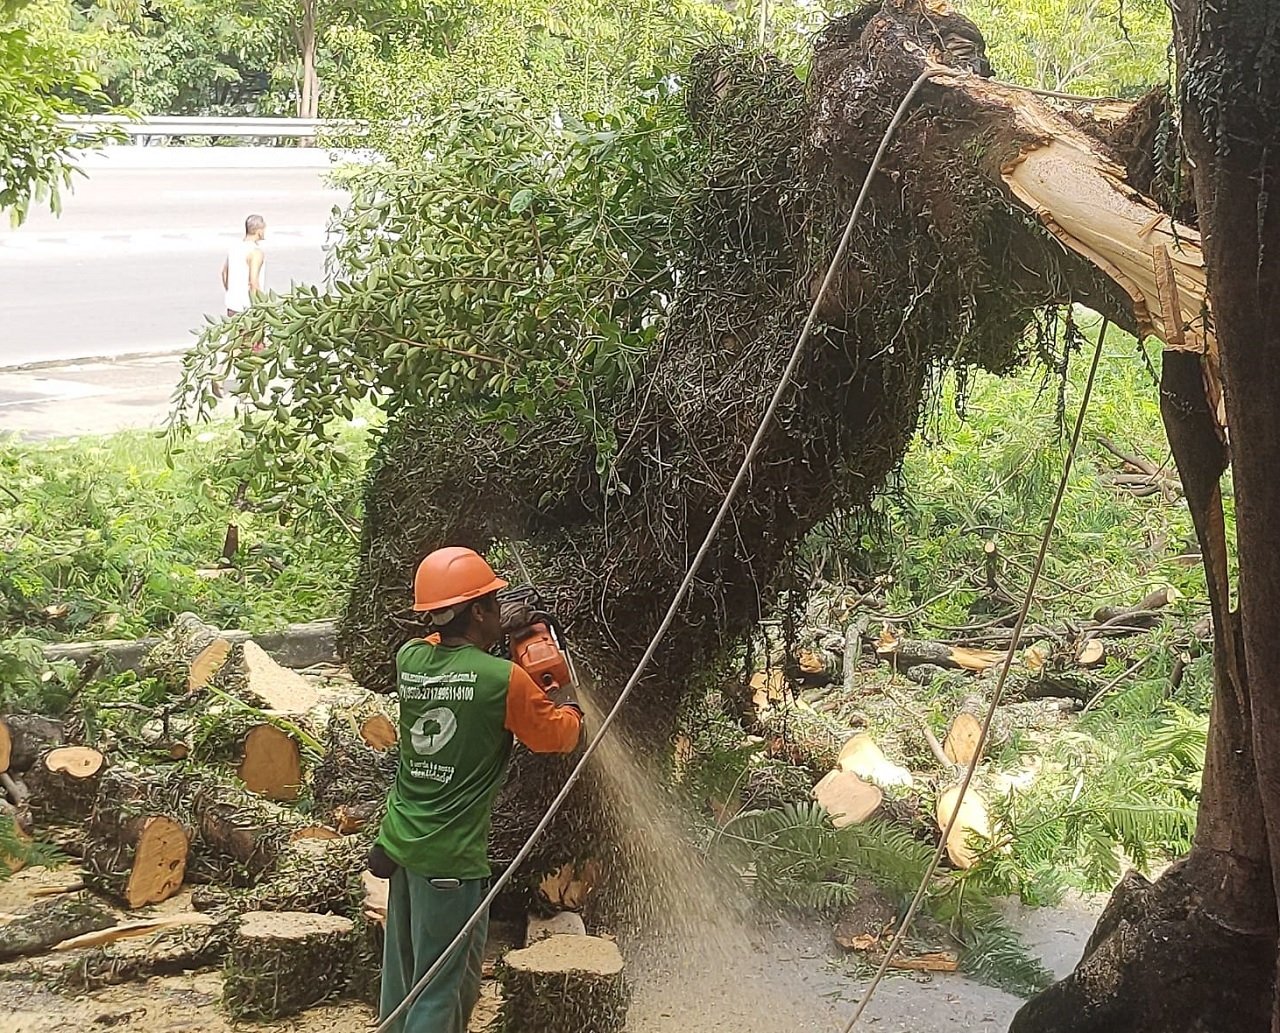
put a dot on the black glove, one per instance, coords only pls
(380, 864)
(515, 614)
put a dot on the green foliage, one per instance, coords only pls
(28, 682)
(38, 76)
(568, 57)
(1120, 789)
(526, 263)
(1081, 46)
(802, 860)
(108, 538)
(989, 475)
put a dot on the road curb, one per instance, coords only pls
(31, 367)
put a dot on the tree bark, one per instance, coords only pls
(309, 92)
(1152, 962)
(1230, 99)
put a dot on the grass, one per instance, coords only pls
(112, 537)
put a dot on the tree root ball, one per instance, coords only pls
(283, 962)
(564, 984)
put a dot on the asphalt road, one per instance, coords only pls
(132, 264)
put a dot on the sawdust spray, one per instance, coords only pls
(697, 958)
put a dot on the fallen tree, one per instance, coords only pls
(994, 213)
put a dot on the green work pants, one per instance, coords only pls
(422, 920)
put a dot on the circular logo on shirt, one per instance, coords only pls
(433, 730)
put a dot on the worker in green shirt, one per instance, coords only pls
(460, 707)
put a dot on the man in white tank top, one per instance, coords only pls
(244, 273)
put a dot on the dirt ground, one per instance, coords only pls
(784, 979)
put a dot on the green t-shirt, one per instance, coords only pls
(454, 748)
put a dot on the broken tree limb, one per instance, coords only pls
(281, 963)
(172, 951)
(1143, 614)
(132, 930)
(52, 922)
(906, 652)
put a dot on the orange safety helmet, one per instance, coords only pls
(451, 576)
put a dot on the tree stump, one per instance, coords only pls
(564, 984)
(283, 962)
(23, 737)
(64, 783)
(138, 842)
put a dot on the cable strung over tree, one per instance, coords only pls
(575, 328)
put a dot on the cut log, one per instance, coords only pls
(963, 735)
(847, 798)
(564, 984)
(1091, 653)
(64, 784)
(52, 922)
(23, 737)
(271, 764)
(192, 656)
(240, 837)
(314, 875)
(864, 758)
(906, 652)
(351, 781)
(365, 982)
(571, 886)
(274, 687)
(378, 732)
(136, 848)
(972, 820)
(284, 962)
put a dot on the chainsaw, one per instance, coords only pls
(538, 644)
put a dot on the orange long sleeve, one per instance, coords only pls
(536, 721)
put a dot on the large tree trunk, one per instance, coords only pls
(1198, 950)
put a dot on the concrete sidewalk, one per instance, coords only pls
(89, 396)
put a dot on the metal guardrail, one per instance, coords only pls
(184, 125)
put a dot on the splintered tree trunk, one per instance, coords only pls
(64, 784)
(564, 984)
(136, 849)
(284, 962)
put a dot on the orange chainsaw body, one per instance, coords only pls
(535, 649)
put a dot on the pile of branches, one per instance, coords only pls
(235, 779)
